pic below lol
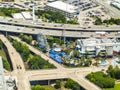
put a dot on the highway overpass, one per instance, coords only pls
(56, 26)
(61, 33)
(53, 29)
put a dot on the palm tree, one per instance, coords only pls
(99, 54)
(98, 59)
(82, 60)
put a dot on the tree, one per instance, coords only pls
(26, 38)
(1, 44)
(9, 11)
(98, 21)
(73, 21)
(6, 64)
(51, 16)
(101, 79)
(52, 40)
(117, 74)
(21, 35)
(30, 57)
(9, 38)
(76, 87)
(117, 21)
(38, 87)
(30, 39)
(36, 62)
(17, 45)
(72, 84)
(58, 84)
(82, 60)
(109, 68)
(87, 63)
(76, 54)
(114, 72)
(25, 51)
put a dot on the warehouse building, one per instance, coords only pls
(67, 9)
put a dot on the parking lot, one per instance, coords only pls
(87, 17)
(81, 4)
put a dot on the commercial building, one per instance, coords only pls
(2, 81)
(23, 15)
(116, 3)
(11, 83)
(7, 82)
(18, 16)
(93, 46)
(67, 9)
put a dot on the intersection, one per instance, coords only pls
(24, 76)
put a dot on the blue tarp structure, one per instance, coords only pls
(57, 56)
(58, 53)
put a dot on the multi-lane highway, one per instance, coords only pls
(78, 33)
(16, 61)
(30, 27)
(56, 26)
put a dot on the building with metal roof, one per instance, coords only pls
(67, 9)
(116, 3)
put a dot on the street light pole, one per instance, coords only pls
(6, 33)
(64, 35)
(33, 11)
(64, 26)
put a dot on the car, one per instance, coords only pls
(18, 28)
(10, 20)
(33, 29)
(84, 28)
(17, 67)
(43, 24)
(2, 26)
(79, 26)
(59, 25)
(107, 26)
(20, 67)
(55, 25)
(89, 27)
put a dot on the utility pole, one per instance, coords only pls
(6, 34)
(33, 11)
(64, 35)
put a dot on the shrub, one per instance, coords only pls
(101, 79)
